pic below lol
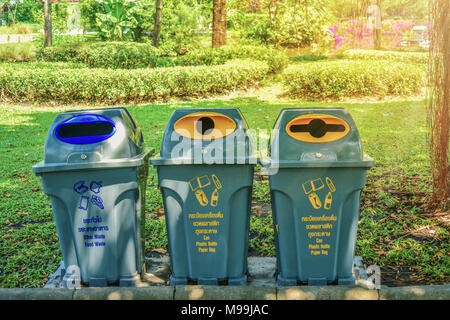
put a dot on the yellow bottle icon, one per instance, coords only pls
(215, 198)
(328, 201)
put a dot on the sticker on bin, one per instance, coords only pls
(311, 186)
(197, 185)
(317, 128)
(204, 125)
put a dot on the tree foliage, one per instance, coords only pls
(289, 23)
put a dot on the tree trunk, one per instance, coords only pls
(47, 23)
(158, 19)
(378, 27)
(254, 5)
(219, 36)
(14, 13)
(438, 119)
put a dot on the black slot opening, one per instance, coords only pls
(204, 125)
(317, 128)
(85, 129)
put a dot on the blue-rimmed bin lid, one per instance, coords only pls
(85, 129)
(100, 138)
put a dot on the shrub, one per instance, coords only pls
(19, 28)
(60, 39)
(19, 83)
(114, 55)
(42, 65)
(285, 23)
(16, 52)
(358, 78)
(415, 57)
(276, 60)
(129, 55)
(308, 58)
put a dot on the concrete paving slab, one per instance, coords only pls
(196, 292)
(433, 292)
(326, 293)
(121, 293)
(36, 294)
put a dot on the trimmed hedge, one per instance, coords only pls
(114, 55)
(277, 60)
(126, 55)
(33, 65)
(353, 78)
(414, 57)
(20, 84)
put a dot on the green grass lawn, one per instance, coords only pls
(395, 231)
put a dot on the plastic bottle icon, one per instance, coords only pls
(328, 201)
(215, 198)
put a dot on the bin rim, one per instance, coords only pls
(136, 161)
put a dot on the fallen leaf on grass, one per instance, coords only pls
(35, 189)
(6, 237)
(7, 195)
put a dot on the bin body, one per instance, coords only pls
(207, 205)
(315, 192)
(96, 183)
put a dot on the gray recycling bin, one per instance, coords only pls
(94, 170)
(317, 171)
(205, 175)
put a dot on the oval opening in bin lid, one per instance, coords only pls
(318, 128)
(205, 125)
(85, 129)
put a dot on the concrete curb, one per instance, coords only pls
(437, 292)
(196, 292)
